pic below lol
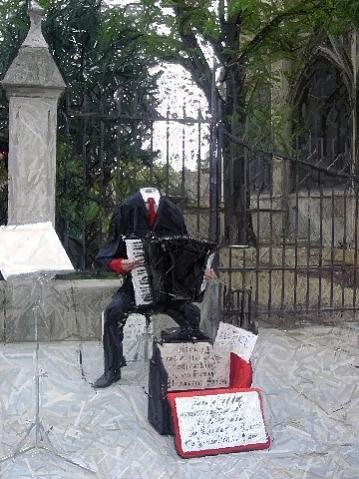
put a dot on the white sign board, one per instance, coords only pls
(238, 340)
(31, 248)
(223, 422)
(195, 366)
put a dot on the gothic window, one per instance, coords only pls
(323, 126)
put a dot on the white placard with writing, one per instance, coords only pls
(220, 421)
(31, 248)
(195, 365)
(238, 340)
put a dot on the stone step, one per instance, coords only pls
(309, 290)
(287, 256)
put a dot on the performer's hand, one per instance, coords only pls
(129, 264)
(209, 274)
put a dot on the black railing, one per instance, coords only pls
(305, 259)
(237, 308)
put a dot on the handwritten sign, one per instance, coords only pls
(195, 365)
(238, 340)
(209, 423)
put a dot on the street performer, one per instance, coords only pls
(143, 213)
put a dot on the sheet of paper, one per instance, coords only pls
(220, 421)
(238, 340)
(208, 266)
(195, 366)
(31, 248)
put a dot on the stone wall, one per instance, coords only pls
(321, 217)
(294, 278)
(67, 310)
(72, 310)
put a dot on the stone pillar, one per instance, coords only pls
(33, 85)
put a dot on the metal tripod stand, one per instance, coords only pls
(41, 439)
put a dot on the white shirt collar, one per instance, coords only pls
(150, 193)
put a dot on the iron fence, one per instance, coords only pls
(237, 308)
(303, 212)
(170, 152)
(305, 258)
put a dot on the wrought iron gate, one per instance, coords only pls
(305, 219)
(304, 212)
(173, 155)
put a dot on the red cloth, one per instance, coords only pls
(151, 211)
(115, 265)
(240, 372)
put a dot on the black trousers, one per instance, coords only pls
(116, 314)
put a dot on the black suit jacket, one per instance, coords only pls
(130, 220)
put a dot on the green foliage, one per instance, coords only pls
(105, 54)
(236, 7)
(138, 177)
(336, 16)
(246, 37)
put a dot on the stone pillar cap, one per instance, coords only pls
(34, 65)
(34, 37)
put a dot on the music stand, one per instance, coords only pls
(34, 251)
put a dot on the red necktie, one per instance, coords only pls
(151, 214)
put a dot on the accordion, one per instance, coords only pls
(170, 269)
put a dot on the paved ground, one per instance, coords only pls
(309, 377)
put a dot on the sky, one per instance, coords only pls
(177, 93)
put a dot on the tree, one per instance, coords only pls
(245, 37)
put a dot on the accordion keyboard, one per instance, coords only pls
(140, 279)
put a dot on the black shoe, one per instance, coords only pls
(199, 336)
(108, 378)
